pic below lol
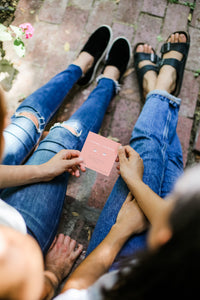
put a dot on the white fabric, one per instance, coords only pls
(10, 217)
(73, 294)
(93, 292)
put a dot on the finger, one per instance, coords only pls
(74, 152)
(60, 238)
(82, 167)
(77, 173)
(78, 250)
(53, 243)
(73, 162)
(72, 245)
(67, 154)
(121, 154)
(130, 152)
(67, 240)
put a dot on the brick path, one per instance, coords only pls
(58, 22)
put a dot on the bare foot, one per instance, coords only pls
(167, 76)
(84, 61)
(150, 77)
(62, 255)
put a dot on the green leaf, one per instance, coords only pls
(159, 38)
(19, 47)
(18, 31)
(197, 73)
(17, 42)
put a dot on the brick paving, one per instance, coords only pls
(58, 22)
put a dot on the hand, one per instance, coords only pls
(130, 164)
(61, 256)
(130, 219)
(64, 161)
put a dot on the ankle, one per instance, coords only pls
(112, 73)
(84, 61)
(166, 80)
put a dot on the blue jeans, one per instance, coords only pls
(41, 204)
(154, 137)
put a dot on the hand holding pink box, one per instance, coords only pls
(99, 153)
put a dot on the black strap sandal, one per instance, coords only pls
(179, 65)
(140, 56)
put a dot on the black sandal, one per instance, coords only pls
(140, 56)
(179, 65)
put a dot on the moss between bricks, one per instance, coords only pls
(7, 10)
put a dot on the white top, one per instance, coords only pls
(94, 292)
(10, 217)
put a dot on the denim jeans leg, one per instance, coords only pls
(173, 166)
(21, 135)
(41, 204)
(152, 135)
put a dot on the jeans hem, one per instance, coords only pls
(165, 95)
(116, 83)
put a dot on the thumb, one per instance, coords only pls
(121, 154)
(74, 161)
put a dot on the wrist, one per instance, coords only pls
(43, 172)
(132, 182)
(119, 235)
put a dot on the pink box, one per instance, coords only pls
(99, 153)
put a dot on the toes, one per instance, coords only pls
(171, 39)
(140, 48)
(176, 37)
(182, 38)
(145, 48)
(150, 49)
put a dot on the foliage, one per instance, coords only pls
(15, 35)
(197, 73)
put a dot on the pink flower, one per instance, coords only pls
(27, 29)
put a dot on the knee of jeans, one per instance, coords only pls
(34, 116)
(73, 126)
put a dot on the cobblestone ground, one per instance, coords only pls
(61, 28)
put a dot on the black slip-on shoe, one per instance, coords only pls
(119, 55)
(97, 46)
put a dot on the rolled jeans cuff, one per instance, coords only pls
(164, 94)
(116, 83)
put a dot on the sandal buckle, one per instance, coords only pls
(168, 47)
(153, 58)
